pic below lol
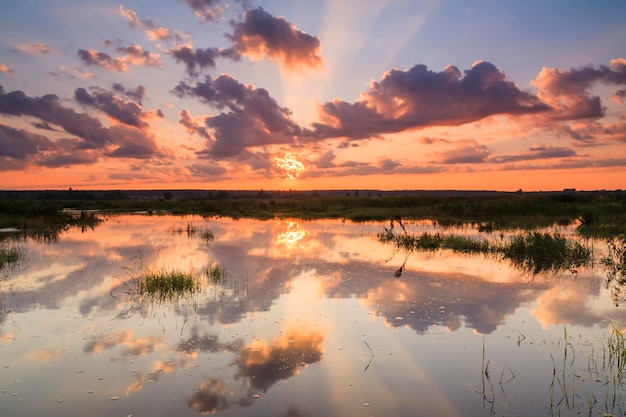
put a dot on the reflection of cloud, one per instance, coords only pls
(291, 236)
(134, 347)
(43, 355)
(265, 365)
(567, 304)
(210, 397)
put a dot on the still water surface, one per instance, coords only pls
(309, 321)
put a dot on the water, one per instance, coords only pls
(309, 321)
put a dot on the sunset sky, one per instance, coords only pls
(329, 94)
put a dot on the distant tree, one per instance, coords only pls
(168, 195)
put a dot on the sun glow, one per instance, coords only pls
(289, 167)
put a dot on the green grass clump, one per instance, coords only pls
(537, 252)
(163, 284)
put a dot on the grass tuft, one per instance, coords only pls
(162, 284)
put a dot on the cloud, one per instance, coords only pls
(100, 59)
(137, 94)
(131, 55)
(153, 31)
(35, 48)
(20, 144)
(470, 154)
(206, 9)
(254, 117)
(5, 70)
(262, 34)
(120, 141)
(418, 98)
(200, 58)
(538, 152)
(135, 55)
(192, 124)
(127, 112)
(568, 91)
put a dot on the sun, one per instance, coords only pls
(289, 166)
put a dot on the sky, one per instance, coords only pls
(329, 94)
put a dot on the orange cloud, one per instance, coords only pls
(263, 35)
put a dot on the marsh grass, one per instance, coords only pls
(537, 252)
(615, 265)
(533, 252)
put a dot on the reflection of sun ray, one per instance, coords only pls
(289, 166)
(292, 235)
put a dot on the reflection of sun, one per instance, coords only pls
(289, 166)
(292, 235)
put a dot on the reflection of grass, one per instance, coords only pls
(533, 251)
(191, 230)
(615, 265)
(216, 273)
(598, 387)
(537, 252)
(10, 255)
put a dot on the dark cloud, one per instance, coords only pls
(192, 125)
(568, 91)
(470, 154)
(127, 112)
(44, 126)
(538, 152)
(418, 97)
(261, 34)
(253, 119)
(19, 148)
(20, 144)
(89, 132)
(199, 59)
(137, 94)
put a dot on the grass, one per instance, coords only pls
(537, 252)
(165, 284)
(598, 214)
(533, 252)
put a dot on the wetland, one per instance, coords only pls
(445, 307)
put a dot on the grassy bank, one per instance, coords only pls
(597, 213)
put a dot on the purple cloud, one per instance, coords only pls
(418, 97)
